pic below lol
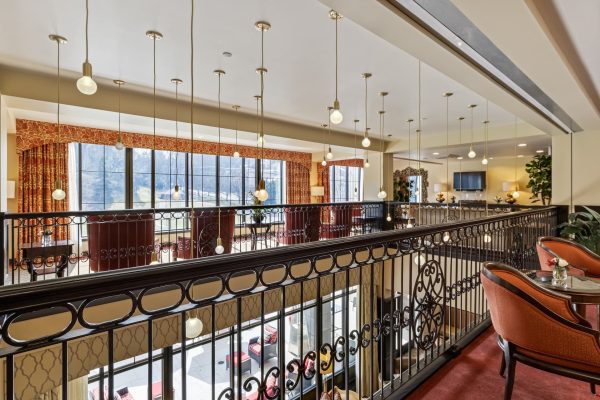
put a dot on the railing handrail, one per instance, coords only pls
(50, 214)
(104, 284)
(58, 214)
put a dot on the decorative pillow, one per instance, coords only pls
(271, 385)
(268, 338)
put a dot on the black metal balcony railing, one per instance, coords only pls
(373, 314)
(83, 242)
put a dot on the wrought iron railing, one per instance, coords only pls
(84, 242)
(373, 314)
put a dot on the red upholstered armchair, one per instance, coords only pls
(255, 347)
(302, 224)
(120, 241)
(539, 328)
(582, 261)
(205, 230)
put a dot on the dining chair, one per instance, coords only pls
(581, 260)
(539, 328)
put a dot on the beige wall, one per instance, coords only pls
(12, 171)
(499, 170)
(586, 175)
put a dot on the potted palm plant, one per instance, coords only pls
(584, 228)
(540, 178)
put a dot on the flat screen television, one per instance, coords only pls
(469, 181)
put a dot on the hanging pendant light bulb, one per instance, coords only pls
(324, 162)
(472, 153)
(119, 144)
(58, 193)
(176, 190)
(262, 26)
(219, 249)
(193, 327)
(388, 218)
(367, 164)
(86, 84)
(366, 142)
(485, 160)
(336, 117)
(355, 156)
(236, 154)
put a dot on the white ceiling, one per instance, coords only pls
(298, 54)
(495, 149)
(581, 22)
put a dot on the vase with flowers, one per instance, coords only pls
(258, 214)
(440, 197)
(559, 271)
(46, 235)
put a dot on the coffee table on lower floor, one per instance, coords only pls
(245, 359)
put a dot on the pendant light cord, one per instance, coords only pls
(87, 11)
(154, 111)
(409, 165)
(515, 159)
(192, 106)
(176, 131)
(120, 84)
(571, 206)
(219, 150)
(336, 56)
(262, 93)
(58, 89)
(419, 143)
(447, 158)
(366, 100)
(460, 122)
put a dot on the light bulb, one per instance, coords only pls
(261, 140)
(367, 164)
(382, 194)
(119, 145)
(487, 238)
(446, 237)
(389, 218)
(263, 195)
(472, 154)
(336, 117)
(193, 327)
(86, 84)
(329, 155)
(409, 225)
(515, 194)
(366, 142)
(324, 162)
(236, 154)
(419, 260)
(219, 249)
(484, 161)
(176, 193)
(58, 194)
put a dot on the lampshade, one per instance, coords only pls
(440, 187)
(506, 186)
(317, 191)
(10, 189)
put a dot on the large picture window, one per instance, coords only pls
(138, 178)
(345, 183)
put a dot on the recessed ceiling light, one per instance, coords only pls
(520, 156)
(491, 158)
(459, 158)
(522, 144)
(459, 43)
(539, 151)
(436, 153)
(227, 54)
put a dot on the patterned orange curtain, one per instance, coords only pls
(323, 180)
(39, 169)
(298, 183)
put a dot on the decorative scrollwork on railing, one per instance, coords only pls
(427, 304)
(226, 394)
(354, 338)
(263, 393)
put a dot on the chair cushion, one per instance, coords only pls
(256, 348)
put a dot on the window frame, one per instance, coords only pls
(347, 196)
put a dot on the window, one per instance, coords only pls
(345, 183)
(272, 173)
(169, 167)
(138, 178)
(415, 188)
(142, 178)
(101, 177)
(230, 181)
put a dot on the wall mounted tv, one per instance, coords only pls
(469, 181)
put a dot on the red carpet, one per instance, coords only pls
(474, 375)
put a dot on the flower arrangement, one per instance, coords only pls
(46, 232)
(498, 199)
(559, 270)
(46, 235)
(440, 197)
